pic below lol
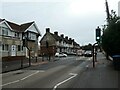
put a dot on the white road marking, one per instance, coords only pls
(10, 83)
(22, 78)
(73, 75)
(29, 75)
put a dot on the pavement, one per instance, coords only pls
(102, 76)
(18, 64)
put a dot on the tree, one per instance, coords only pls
(111, 36)
(87, 47)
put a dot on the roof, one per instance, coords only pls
(14, 26)
(56, 37)
(59, 38)
(20, 28)
(24, 26)
(1, 20)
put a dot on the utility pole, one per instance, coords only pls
(107, 11)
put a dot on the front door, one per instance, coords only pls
(13, 50)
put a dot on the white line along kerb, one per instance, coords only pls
(73, 75)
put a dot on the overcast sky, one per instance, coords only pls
(76, 19)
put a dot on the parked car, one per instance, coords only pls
(60, 55)
(88, 53)
(80, 52)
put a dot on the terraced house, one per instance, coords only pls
(15, 40)
(52, 43)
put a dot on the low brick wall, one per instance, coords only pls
(14, 62)
(13, 58)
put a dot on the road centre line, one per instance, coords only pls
(73, 75)
(20, 79)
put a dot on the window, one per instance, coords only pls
(16, 34)
(4, 31)
(22, 48)
(19, 47)
(32, 36)
(5, 47)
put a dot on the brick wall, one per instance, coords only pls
(51, 50)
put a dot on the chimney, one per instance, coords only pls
(73, 40)
(62, 35)
(66, 37)
(47, 30)
(70, 39)
(56, 33)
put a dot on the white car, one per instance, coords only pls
(88, 53)
(60, 55)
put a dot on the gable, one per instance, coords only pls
(32, 28)
(4, 24)
(47, 37)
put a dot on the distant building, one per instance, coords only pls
(52, 43)
(119, 8)
(14, 36)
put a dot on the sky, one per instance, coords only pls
(76, 19)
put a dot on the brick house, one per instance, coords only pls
(12, 37)
(52, 43)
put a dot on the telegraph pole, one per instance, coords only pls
(107, 11)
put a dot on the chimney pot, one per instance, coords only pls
(56, 33)
(62, 35)
(70, 39)
(47, 29)
(66, 37)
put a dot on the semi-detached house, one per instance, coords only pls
(15, 40)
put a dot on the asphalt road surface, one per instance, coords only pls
(47, 75)
(68, 72)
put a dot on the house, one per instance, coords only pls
(52, 43)
(15, 40)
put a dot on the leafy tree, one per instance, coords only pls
(87, 47)
(111, 36)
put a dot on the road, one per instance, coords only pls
(47, 75)
(69, 72)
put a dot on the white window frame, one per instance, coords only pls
(32, 36)
(5, 31)
(5, 47)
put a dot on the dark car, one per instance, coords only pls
(88, 53)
